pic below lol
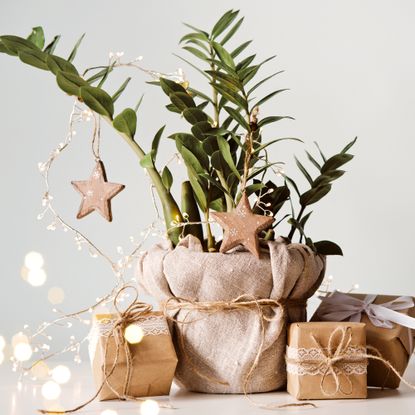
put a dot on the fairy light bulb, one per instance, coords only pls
(36, 277)
(133, 334)
(61, 374)
(19, 338)
(51, 390)
(56, 295)
(356, 286)
(149, 407)
(22, 352)
(34, 260)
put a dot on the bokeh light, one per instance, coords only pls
(149, 407)
(34, 260)
(36, 277)
(56, 295)
(22, 352)
(51, 390)
(133, 334)
(61, 374)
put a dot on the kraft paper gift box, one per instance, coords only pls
(381, 314)
(150, 370)
(311, 345)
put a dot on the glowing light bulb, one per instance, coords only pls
(22, 352)
(36, 277)
(356, 286)
(19, 338)
(34, 260)
(61, 374)
(133, 334)
(109, 412)
(51, 390)
(2, 343)
(56, 295)
(149, 407)
(40, 370)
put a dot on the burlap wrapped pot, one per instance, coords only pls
(217, 350)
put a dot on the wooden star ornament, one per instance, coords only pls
(241, 227)
(97, 193)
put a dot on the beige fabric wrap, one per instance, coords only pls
(223, 345)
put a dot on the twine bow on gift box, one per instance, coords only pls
(124, 318)
(339, 307)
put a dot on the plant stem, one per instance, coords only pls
(210, 238)
(230, 204)
(293, 228)
(171, 209)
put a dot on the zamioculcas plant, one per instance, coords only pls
(223, 146)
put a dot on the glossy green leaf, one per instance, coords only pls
(37, 37)
(231, 96)
(272, 119)
(56, 64)
(75, 48)
(140, 101)
(156, 142)
(232, 31)
(182, 100)
(223, 23)
(16, 44)
(194, 115)
(227, 155)
(167, 178)
(193, 66)
(314, 195)
(194, 146)
(196, 29)
(328, 248)
(34, 58)
(268, 97)
(349, 146)
(147, 161)
(200, 129)
(257, 85)
(98, 100)
(265, 145)
(194, 35)
(313, 161)
(335, 162)
(236, 115)
(196, 52)
(170, 87)
(304, 171)
(319, 149)
(70, 83)
(126, 122)
(240, 49)
(224, 55)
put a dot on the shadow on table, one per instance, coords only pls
(378, 393)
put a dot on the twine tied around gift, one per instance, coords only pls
(124, 318)
(242, 302)
(331, 360)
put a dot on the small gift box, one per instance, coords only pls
(124, 370)
(326, 360)
(389, 329)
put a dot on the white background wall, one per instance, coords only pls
(351, 69)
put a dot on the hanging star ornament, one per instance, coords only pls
(241, 227)
(97, 193)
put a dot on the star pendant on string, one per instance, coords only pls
(97, 193)
(241, 227)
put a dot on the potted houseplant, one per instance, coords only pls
(231, 297)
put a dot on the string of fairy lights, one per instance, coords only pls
(30, 343)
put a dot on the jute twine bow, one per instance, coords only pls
(331, 359)
(243, 302)
(124, 318)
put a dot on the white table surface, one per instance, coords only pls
(81, 388)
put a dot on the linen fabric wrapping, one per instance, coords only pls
(217, 350)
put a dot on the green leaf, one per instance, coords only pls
(269, 96)
(98, 100)
(50, 48)
(231, 96)
(215, 183)
(236, 115)
(182, 100)
(196, 52)
(194, 146)
(37, 37)
(70, 83)
(196, 29)
(314, 195)
(304, 219)
(191, 160)
(75, 49)
(200, 129)
(314, 161)
(335, 162)
(56, 64)
(139, 103)
(224, 55)
(16, 44)
(319, 149)
(304, 171)
(293, 184)
(228, 79)
(240, 49)
(244, 63)
(328, 248)
(198, 190)
(225, 150)
(265, 145)
(232, 31)
(349, 146)
(194, 35)
(121, 89)
(3, 49)
(147, 161)
(192, 65)
(170, 87)
(167, 178)
(328, 177)
(194, 115)
(156, 142)
(263, 81)
(269, 120)
(224, 22)
(126, 122)
(34, 58)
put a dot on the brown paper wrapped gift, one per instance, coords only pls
(145, 369)
(326, 360)
(393, 341)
